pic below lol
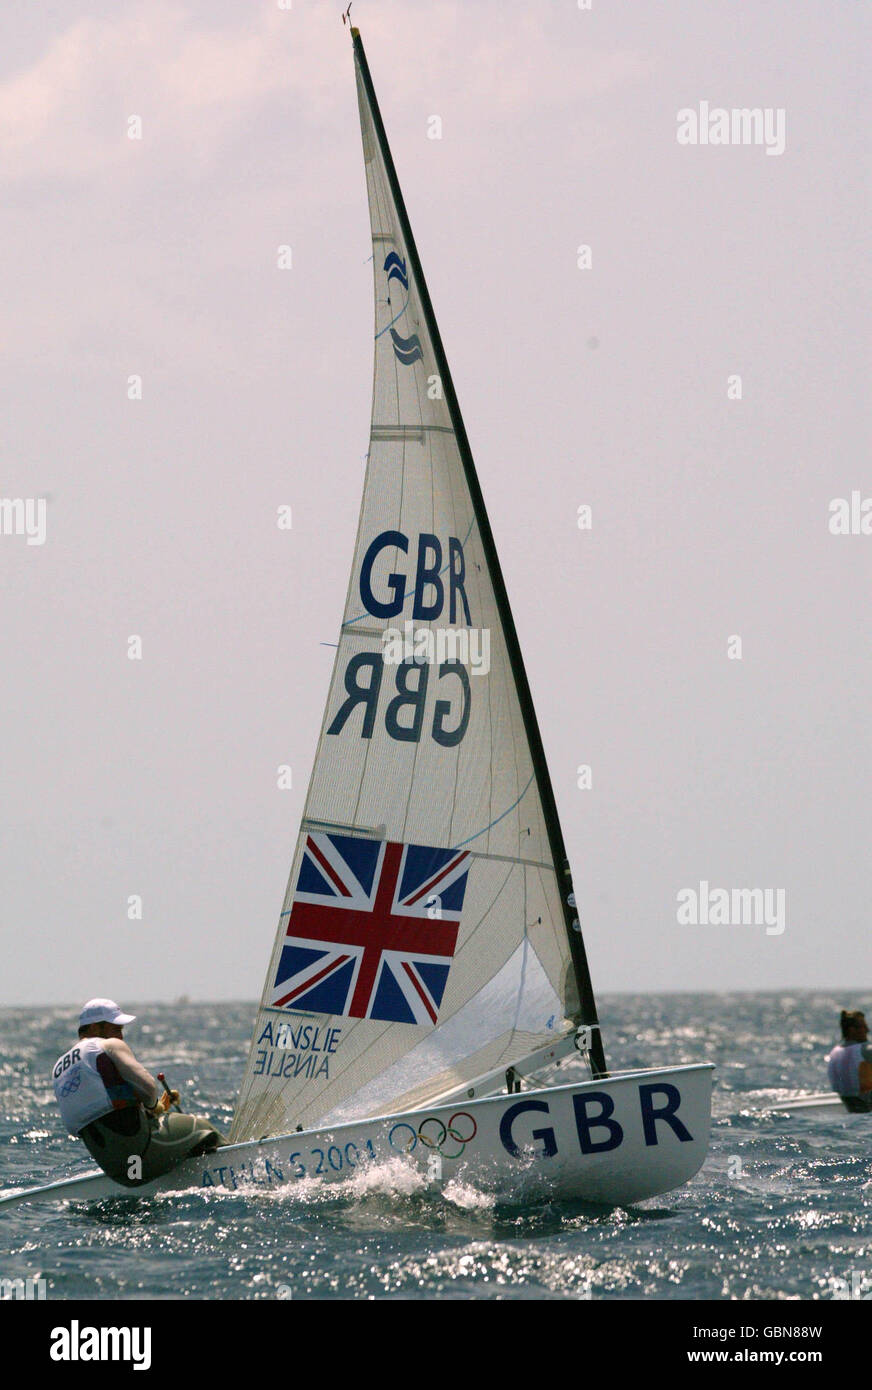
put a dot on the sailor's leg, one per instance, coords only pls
(175, 1137)
(118, 1150)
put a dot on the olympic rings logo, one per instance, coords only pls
(448, 1140)
(72, 1085)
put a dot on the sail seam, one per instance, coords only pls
(508, 809)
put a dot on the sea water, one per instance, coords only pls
(782, 1208)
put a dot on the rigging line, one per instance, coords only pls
(377, 196)
(454, 528)
(460, 843)
(486, 828)
(487, 912)
(421, 412)
(394, 319)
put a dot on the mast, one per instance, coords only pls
(588, 1011)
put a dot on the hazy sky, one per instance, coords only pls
(606, 386)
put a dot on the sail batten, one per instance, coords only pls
(425, 937)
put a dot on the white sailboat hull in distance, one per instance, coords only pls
(821, 1105)
(613, 1141)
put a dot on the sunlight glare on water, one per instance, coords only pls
(780, 1209)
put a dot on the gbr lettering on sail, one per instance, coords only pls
(432, 581)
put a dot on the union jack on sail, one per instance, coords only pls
(372, 929)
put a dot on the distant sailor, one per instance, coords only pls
(849, 1066)
(117, 1108)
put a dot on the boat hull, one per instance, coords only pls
(613, 1141)
(824, 1105)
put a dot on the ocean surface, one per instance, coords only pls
(782, 1208)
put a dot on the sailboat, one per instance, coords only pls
(817, 1105)
(429, 963)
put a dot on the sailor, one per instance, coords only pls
(117, 1108)
(849, 1066)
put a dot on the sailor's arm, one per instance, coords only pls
(142, 1081)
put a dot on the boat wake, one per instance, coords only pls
(394, 1178)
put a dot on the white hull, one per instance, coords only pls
(823, 1105)
(615, 1141)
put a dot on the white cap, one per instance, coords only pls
(103, 1011)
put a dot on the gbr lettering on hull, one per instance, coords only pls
(597, 1129)
(527, 1128)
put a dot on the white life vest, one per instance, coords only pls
(87, 1084)
(843, 1068)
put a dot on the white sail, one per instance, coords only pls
(422, 940)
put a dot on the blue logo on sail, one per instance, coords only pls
(406, 350)
(397, 269)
